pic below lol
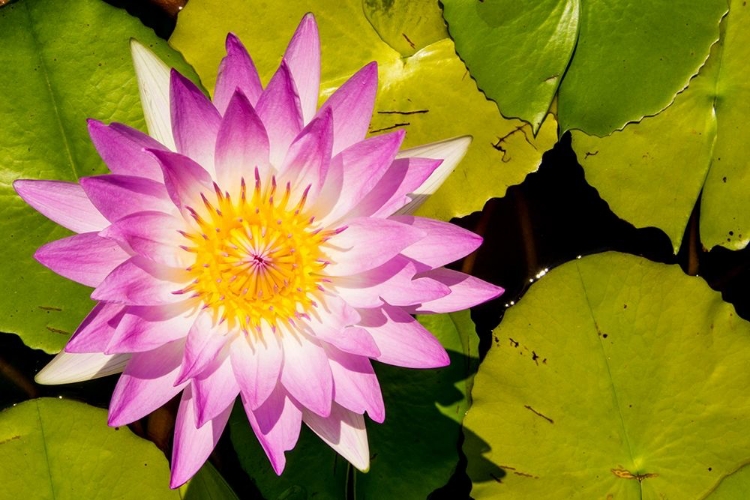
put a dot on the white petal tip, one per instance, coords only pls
(67, 368)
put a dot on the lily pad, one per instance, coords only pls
(60, 449)
(734, 486)
(207, 484)
(652, 173)
(614, 62)
(62, 62)
(613, 377)
(429, 93)
(421, 456)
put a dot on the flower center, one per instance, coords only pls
(257, 260)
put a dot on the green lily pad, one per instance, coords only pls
(734, 486)
(429, 93)
(207, 484)
(652, 173)
(61, 449)
(62, 62)
(406, 25)
(613, 377)
(629, 59)
(516, 51)
(422, 456)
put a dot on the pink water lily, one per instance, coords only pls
(259, 246)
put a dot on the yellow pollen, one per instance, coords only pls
(256, 258)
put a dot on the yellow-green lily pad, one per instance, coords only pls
(613, 377)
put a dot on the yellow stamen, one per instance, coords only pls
(256, 260)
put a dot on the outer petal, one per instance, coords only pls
(236, 71)
(153, 83)
(303, 59)
(193, 445)
(466, 291)
(95, 332)
(306, 163)
(147, 383)
(355, 172)
(242, 145)
(195, 121)
(306, 373)
(276, 424)
(402, 340)
(345, 432)
(355, 385)
(367, 243)
(215, 390)
(451, 151)
(153, 235)
(393, 282)
(116, 196)
(392, 192)
(140, 282)
(67, 368)
(84, 258)
(121, 148)
(146, 328)
(352, 105)
(62, 202)
(443, 244)
(257, 366)
(279, 109)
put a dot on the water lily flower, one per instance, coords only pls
(255, 246)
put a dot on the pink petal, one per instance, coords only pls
(66, 368)
(306, 373)
(195, 121)
(146, 384)
(368, 243)
(345, 432)
(215, 389)
(116, 196)
(241, 146)
(444, 243)
(193, 445)
(355, 385)
(392, 192)
(145, 328)
(185, 180)
(121, 148)
(332, 322)
(204, 342)
(402, 340)
(62, 202)
(279, 109)
(236, 71)
(276, 424)
(466, 291)
(257, 365)
(303, 59)
(393, 282)
(84, 258)
(356, 171)
(153, 235)
(307, 160)
(93, 335)
(352, 106)
(141, 282)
